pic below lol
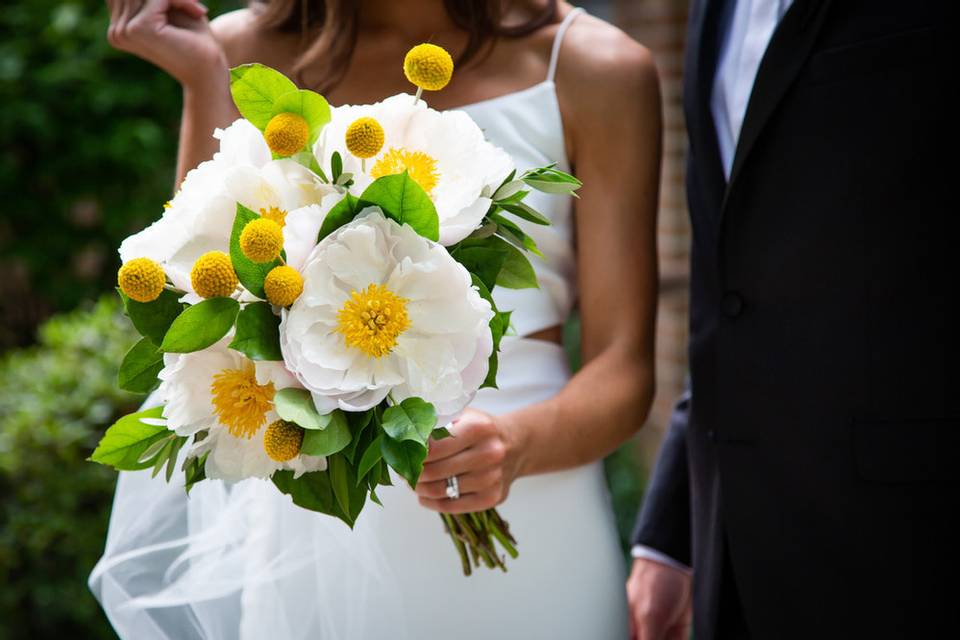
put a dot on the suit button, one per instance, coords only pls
(732, 304)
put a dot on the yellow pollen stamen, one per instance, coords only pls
(286, 134)
(373, 319)
(282, 440)
(421, 168)
(141, 279)
(276, 214)
(261, 240)
(283, 285)
(213, 276)
(428, 67)
(239, 402)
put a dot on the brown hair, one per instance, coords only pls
(335, 22)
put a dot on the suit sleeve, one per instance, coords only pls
(664, 521)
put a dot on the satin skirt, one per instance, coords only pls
(241, 561)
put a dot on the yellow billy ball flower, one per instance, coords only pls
(283, 285)
(286, 133)
(141, 279)
(261, 240)
(282, 440)
(364, 137)
(212, 275)
(428, 67)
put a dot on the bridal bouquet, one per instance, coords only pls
(315, 300)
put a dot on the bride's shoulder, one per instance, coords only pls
(599, 61)
(244, 40)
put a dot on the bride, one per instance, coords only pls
(548, 84)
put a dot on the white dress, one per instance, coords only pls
(241, 561)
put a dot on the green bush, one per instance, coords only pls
(57, 399)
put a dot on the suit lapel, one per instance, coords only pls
(785, 56)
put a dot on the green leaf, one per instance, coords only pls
(405, 457)
(336, 166)
(315, 491)
(330, 440)
(525, 211)
(370, 458)
(514, 234)
(498, 326)
(255, 88)
(339, 470)
(296, 405)
(201, 325)
(153, 319)
(412, 419)
(251, 274)
(258, 333)
(401, 198)
(360, 437)
(483, 262)
(549, 179)
(194, 470)
(310, 105)
(127, 439)
(341, 213)
(441, 433)
(516, 272)
(139, 369)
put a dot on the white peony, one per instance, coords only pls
(219, 390)
(200, 217)
(386, 311)
(445, 152)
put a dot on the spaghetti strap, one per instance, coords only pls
(558, 40)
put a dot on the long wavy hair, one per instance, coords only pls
(328, 30)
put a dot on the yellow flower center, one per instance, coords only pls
(239, 402)
(286, 134)
(276, 214)
(282, 440)
(141, 279)
(418, 165)
(212, 275)
(428, 66)
(364, 137)
(373, 319)
(283, 285)
(261, 240)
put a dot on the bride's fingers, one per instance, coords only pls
(470, 429)
(192, 8)
(473, 482)
(466, 504)
(487, 455)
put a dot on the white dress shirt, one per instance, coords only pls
(744, 42)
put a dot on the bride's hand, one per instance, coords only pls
(172, 34)
(481, 454)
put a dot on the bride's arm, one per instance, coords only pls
(610, 99)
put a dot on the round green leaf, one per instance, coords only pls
(152, 319)
(139, 369)
(325, 442)
(402, 199)
(296, 406)
(405, 457)
(255, 88)
(201, 325)
(258, 333)
(310, 105)
(412, 419)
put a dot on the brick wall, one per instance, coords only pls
(660, 25)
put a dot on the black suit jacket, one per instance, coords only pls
(823, 348)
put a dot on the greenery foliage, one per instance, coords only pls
(57, 398)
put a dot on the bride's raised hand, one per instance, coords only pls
(172, 34)
(483, 456)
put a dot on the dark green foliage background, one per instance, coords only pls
(89, 138)
(88, 143)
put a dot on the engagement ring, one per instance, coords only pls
(453, 488)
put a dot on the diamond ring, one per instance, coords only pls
(453, 488)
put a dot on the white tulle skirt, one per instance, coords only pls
(241, 561)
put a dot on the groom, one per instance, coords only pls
(804, 477)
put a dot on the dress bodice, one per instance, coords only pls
(528, 126)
